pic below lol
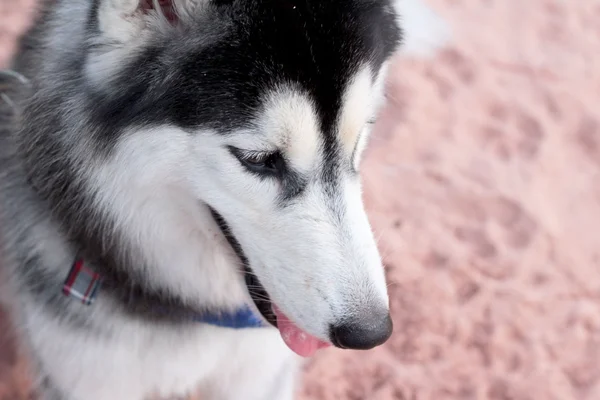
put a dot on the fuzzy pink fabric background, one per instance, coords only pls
(483, 184)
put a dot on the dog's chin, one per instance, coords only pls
(299, 341)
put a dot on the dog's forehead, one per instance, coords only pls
(317, 47)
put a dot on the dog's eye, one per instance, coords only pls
(258, 161)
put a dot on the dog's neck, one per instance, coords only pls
(84, 283)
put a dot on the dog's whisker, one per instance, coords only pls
(265, 299)
(393, 283)
(7, 100)
(254, 291)
(14, 74)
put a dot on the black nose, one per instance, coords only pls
(364, 333)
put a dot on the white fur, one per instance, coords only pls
(220, 363)
(146, 189)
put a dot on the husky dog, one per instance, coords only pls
(180, 197)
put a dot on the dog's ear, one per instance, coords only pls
(121, 21)
(121, 27)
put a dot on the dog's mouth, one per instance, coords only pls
(299, 341)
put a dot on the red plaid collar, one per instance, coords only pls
(82, 283)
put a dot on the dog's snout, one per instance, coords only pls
(363, 333)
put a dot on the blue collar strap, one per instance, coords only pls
(241, 319)
(83, 284)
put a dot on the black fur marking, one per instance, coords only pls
(140, 301)
(293, 185)
(92, 22)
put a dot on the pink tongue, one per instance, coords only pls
(299, 341)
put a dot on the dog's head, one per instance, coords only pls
(243, 117)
